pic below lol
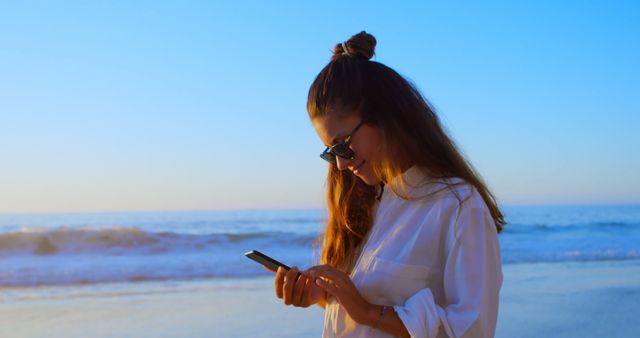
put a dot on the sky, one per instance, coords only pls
(188, 105)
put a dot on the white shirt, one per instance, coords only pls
(435, 261)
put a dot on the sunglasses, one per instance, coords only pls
(341, 149)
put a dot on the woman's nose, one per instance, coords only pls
(342, 163)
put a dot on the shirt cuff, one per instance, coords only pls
(421, 316)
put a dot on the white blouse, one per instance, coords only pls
(435, 261)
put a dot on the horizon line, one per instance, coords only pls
(257, 209)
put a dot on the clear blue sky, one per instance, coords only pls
(158, 105)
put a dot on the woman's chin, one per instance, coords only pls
(368, 180)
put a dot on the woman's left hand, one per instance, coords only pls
(340, 285)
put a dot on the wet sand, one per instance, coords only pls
(576, 299)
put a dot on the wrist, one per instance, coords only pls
(371, 314)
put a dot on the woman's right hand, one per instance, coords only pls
(299, 291)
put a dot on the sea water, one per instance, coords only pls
(90, 248)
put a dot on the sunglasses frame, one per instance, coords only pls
(330, 153)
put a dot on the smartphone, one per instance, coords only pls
(265, 260)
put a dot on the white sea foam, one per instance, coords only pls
(88, 248)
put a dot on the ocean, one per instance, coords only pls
(93, 248)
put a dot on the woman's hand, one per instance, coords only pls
(297, 288)
(340, 285)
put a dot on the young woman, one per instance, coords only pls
(410, 247)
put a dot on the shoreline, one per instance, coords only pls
(560, 299)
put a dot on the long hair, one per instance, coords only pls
(409, 129)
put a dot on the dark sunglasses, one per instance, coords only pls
(341, 149)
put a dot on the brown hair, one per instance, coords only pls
(409, 129)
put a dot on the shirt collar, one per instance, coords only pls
(418, 184)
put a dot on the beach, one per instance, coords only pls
(559, 299)
(570, 299)
(212, 308)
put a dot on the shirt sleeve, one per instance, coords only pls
(472, 281)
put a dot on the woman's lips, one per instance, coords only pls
(355, 171)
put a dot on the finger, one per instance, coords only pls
(328, 272)
(289, 283)
(323, 269)
(298, 290)
(279, 281)
(306, 293)
(327, 286)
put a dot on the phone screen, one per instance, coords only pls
(265, 260)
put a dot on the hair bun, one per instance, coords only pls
(361, 45)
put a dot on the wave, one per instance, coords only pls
(129, 240)
(95, 269)
(556, 228)
(571, 256)
(98, 269)
(90, 254)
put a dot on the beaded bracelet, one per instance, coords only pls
(384, 308)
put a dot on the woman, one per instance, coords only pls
(410, 247)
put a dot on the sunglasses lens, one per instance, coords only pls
(329, 157)
(343, 151)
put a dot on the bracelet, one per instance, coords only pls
(384, 308)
